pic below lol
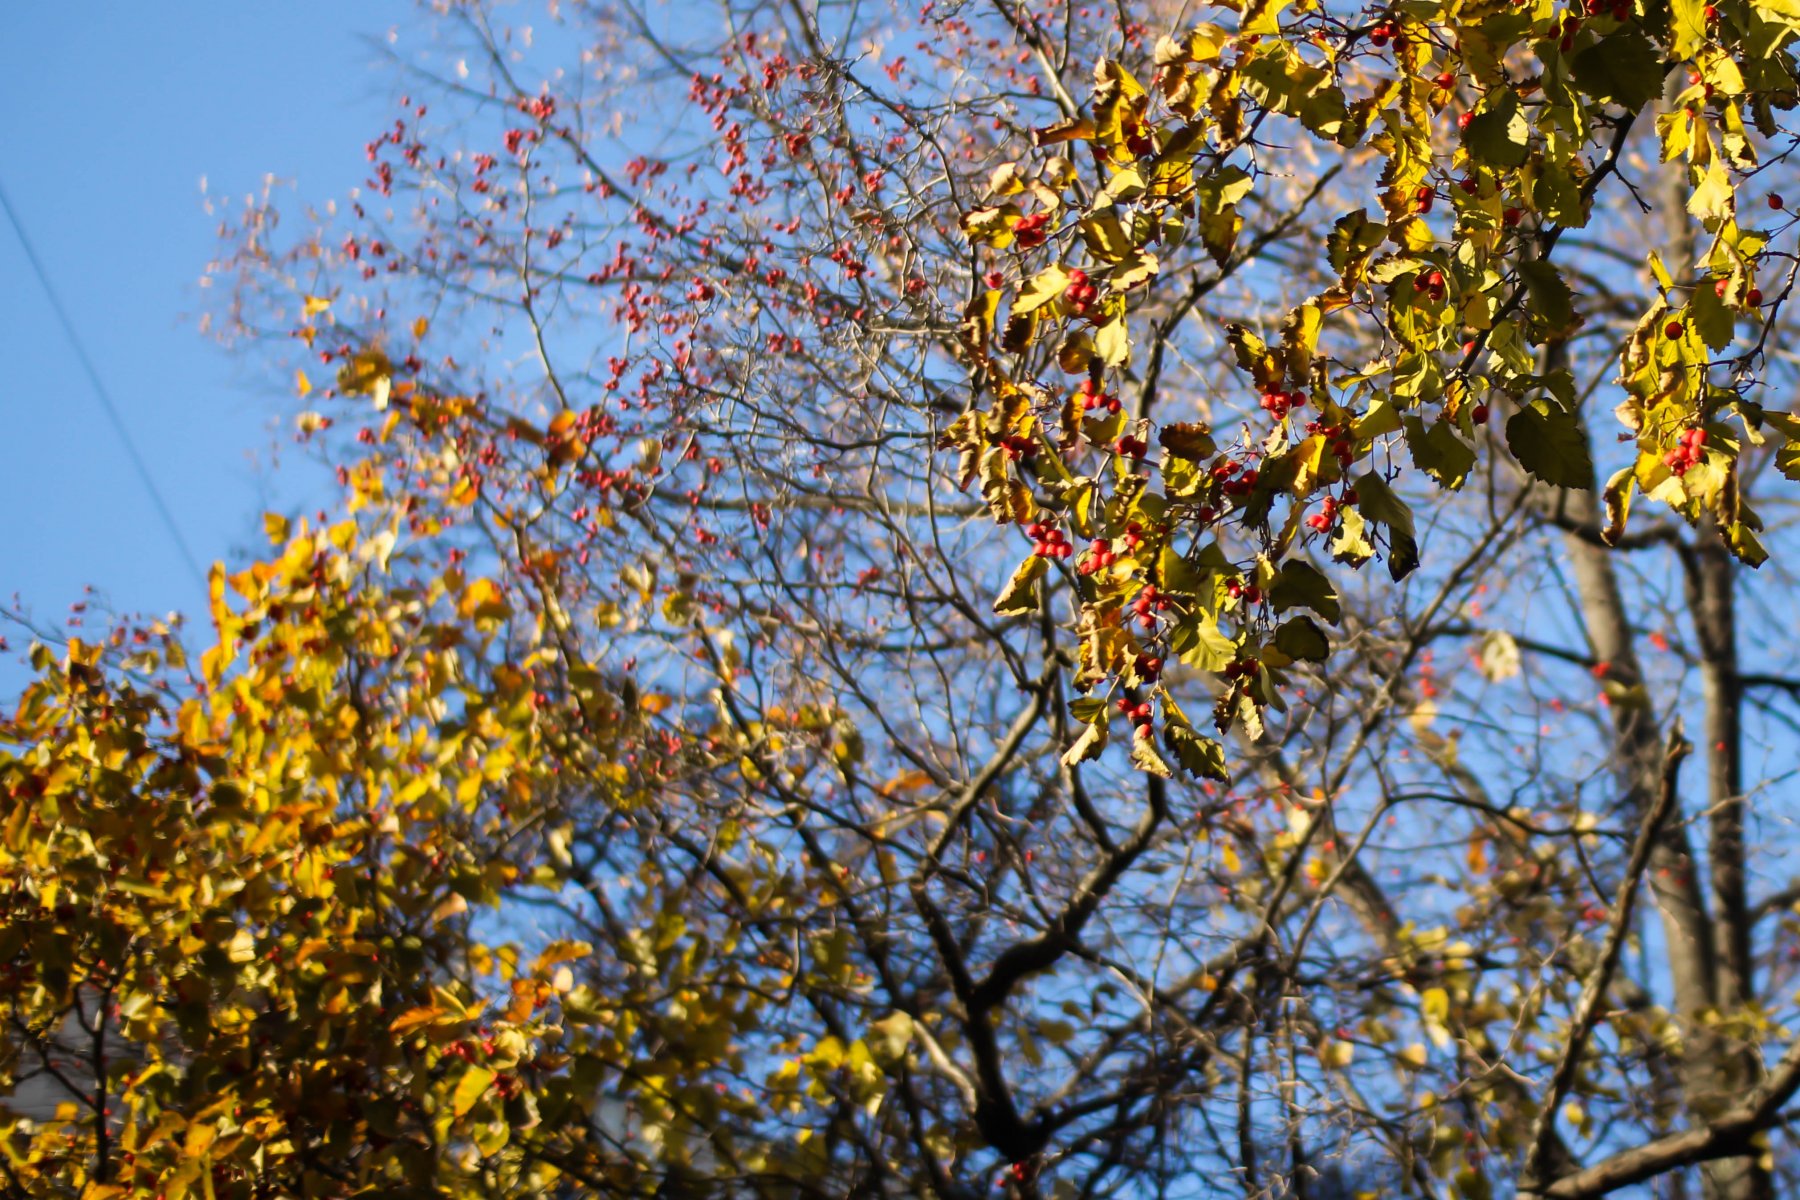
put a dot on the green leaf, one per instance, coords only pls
(1350, 544)
(1088, 709)
(1091, 744)
(1352, 239)
(1500, 135)
(1299, 638)
(1145, 758)
(1199, 755)
(1403, 555)
(1711, 318)
(1439, 452)
(1379, 503)
(1197, 641)
(1106, 237)
(1020, 596)
(470, 1088)
(1741, 539)
(1712, 197)
(1557, 195)
(1624, 69)
(1687, 26)
(1548, 442)
(1549, 296)
(1190, 440)
(1302, 585)
(1787, 460)
(1617, 498)
(1042, 289)
(1112, 342)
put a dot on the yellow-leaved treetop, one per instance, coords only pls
(947, 600)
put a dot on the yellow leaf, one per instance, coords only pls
(1337, 1054)
(200, 1138)
(452, 905)
(315, 305)
(420, 326)
(558, 952)
(906, 781)
(470, 1088)
(243, 946)
(413, 1018)
(482, 600)
(302, 383)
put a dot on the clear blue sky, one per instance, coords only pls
(110, 114)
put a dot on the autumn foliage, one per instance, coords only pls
(1110, 600)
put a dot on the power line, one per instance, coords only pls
(105, 397)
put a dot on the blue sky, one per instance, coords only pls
(110, 115)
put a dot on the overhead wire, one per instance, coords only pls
(100, 390)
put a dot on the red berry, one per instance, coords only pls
(1775, 201)
(1512, 216)
(1673, 329)
(1753, 297)
(1446, 80)
(1721, 287)
(1479, 415)
(1462, 121)
(1711, 12)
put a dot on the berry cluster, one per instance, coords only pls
(1688, 454)
(1047, 541)
(1099, 556)
(1032, 230)
(1150, 667)
(1243, 485)
(1342, 448)
(1148, 603)
(1092, 397)
(1431, 283)
(1139, 713)
(1325, 518)
(1243, 668)
(1018, 446)
(1080, 294)
(1249, 593)
(1753, 297)
(1423, 196)
(1277, 404)
(1131, 447)
(1384, 33)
